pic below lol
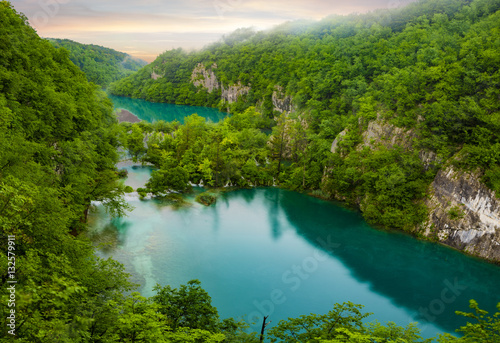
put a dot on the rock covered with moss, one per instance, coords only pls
(206, 198)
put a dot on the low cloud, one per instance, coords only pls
(147, 28)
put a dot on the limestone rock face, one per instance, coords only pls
(380, 132)
(281, 102)
(201, 76)
(205, 78)
(155, 76)
(464, 214)
(232, 92)
(383, 133)
(336, 141)
(389, 135)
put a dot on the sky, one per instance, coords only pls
(146, 28)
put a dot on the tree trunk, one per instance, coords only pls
(263, 328)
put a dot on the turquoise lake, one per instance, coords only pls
(152, 111)
(274, 252)
(269, 251)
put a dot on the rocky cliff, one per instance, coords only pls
(232, 92)
(337, 140)
(377, 133)
(463, 212)
(206, 78)
(386, 134)
(281, 101)
(155, 76)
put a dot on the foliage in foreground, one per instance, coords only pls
(482, 328)
(58, 150)
(345, 323)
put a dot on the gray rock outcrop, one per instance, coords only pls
(155, 76)
(337, 140)
(232, 92)
(386, 134)
(281, 101)
(206, 78)
(464, 214)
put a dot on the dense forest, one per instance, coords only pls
(58, 153)
(101, 65)
(429, 69)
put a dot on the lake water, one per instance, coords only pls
(274, 252)
(152, 111)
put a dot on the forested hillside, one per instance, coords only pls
(57, 154)
(101, 65)
(58, 151)
(408, 97)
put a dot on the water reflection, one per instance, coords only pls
(107, 239)
(255, 241)
(429, 280)
(274, 210)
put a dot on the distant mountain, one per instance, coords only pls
(101, 65)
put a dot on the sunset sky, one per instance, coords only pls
(146, 28)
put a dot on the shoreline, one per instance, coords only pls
(126, 116)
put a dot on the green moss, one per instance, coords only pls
(456, 213)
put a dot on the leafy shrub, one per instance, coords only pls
(128, 189)
(122, 173)
(455, 213)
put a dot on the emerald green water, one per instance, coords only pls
(151, 111)
(279, 253)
